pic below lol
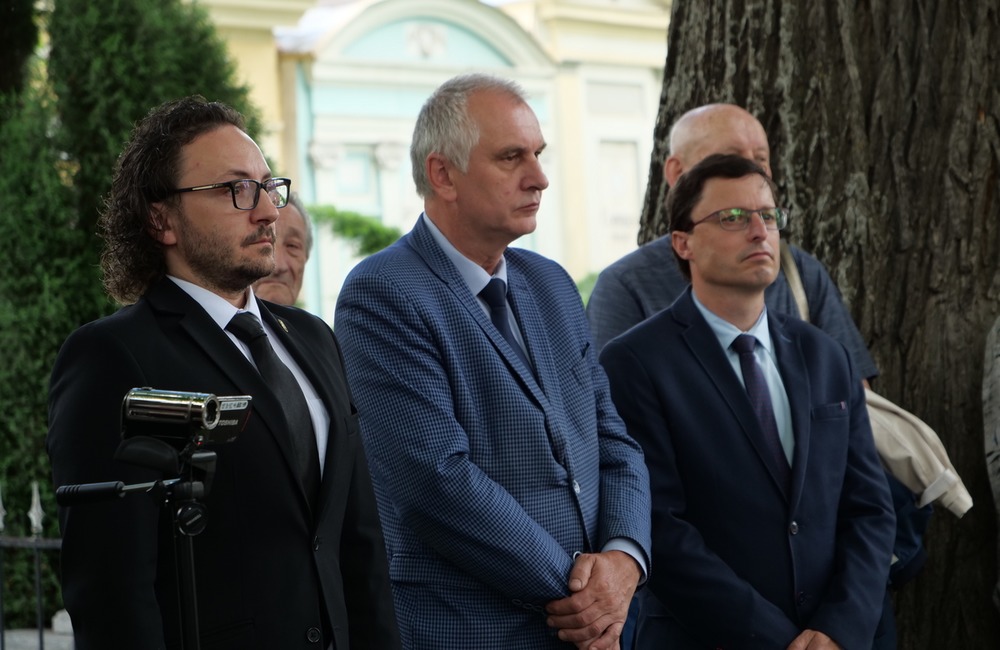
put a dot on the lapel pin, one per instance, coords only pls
(283, 326)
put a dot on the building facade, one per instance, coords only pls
(349, 77)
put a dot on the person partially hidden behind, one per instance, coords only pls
(292, 555)
(515, 506)
(647, 279)
(772, 521)
(291, 252)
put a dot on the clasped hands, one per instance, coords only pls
(813, 640)
(601, 587)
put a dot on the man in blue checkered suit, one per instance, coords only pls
(515, 507)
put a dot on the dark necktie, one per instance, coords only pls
(760, 398)
(282, 383)
(495, 295)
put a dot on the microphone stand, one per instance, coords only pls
(195, 470)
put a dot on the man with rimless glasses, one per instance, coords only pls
(647, 280)
(772, 521)
(292, 554)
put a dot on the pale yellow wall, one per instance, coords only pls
(257, 65)
(246, 27)
(573, 212)
(598, 31)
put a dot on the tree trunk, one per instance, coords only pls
(884, 123)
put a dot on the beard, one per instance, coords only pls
(217, 265)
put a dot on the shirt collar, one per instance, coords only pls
(726, 332)
(475, 276)
(218, 308)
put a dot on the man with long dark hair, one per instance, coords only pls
(292, 555)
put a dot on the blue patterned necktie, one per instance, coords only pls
(283, 384)
(495, 295)
(760, 399)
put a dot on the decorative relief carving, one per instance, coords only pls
(425, 40)
(389, 154)
(325, 155)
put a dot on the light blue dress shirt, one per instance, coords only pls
(476, 276)
(726, 333)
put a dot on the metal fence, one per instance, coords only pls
(36, 544)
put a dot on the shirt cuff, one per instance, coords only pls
(627, 546)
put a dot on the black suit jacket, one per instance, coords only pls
(740, 561)
(270, 572)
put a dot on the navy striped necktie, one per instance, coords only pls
(760, 399)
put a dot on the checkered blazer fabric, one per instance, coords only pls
(488, 479)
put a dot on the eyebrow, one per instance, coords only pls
(240, 174)
(520, 149)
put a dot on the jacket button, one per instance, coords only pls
(313, 635)
(576, 487)
(793, 529)
(317, 542)
(802, 598)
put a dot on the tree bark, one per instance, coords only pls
(884, 123)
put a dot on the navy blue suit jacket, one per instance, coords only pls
(489, 476)
(739, 561)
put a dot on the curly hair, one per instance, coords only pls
(146, 173)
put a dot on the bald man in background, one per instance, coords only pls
(647, 280)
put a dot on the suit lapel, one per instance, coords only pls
(795, 376)
(307, 362)
(532, 325)
(328, 386)
(423, 243)
(704, 345)
(529, 319)
(547, 387)
(535, 329)
(172, 302)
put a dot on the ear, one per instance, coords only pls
(672, 170)
(160, 226)
(439, 173)
(681, 243)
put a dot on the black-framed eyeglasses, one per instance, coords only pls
(739, 218)
(246, 191)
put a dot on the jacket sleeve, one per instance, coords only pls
(612, 308)
(866, 526)
(625, 497)
(109, 549)
(363, 562)
(828, 312)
